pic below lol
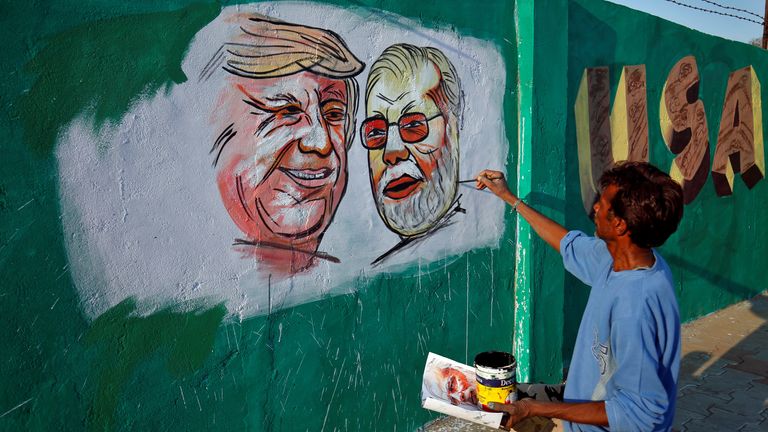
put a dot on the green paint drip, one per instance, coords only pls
(105, 66)
(183, 339)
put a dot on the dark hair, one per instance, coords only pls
(648, 200)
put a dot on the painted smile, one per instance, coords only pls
(309, 178)
(401, 187)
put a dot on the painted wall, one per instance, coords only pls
(194, 237)
(140, 291)
(642, 88)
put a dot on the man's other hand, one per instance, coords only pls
(495, 182)
(514, 412)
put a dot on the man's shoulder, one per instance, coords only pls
(584, 243)
(653, 288)
(659, 280)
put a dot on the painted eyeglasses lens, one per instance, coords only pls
(413, 128)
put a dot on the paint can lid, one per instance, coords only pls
(495, 362)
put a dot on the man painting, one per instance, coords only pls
(411, 132)
(625, 364)
(287, 118)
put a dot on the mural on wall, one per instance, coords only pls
(683, 123)
(244, 184)
(629, 116)
(740, 139)
(684, 129)
(604, 138)
(414, 172)
(287, 118)
(593, 131)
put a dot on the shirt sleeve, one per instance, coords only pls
(583, 255)
(640, 400)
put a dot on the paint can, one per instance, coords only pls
(496, 376)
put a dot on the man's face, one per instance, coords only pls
(412, 151)
(604, 214)
(283, 173)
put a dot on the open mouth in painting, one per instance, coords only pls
(401, 187)
(309, 178)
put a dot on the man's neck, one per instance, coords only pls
(628, 256)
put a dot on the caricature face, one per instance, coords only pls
(412, 151)
(283, 172)
(457, 387)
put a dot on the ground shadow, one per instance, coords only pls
(724, 370)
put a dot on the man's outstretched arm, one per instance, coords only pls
(549, 230)
(592, 413)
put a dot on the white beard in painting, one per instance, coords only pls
(422, 210)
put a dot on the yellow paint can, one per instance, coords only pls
(496, 376)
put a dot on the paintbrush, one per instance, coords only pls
(464, 183)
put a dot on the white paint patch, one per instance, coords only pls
(143, 217)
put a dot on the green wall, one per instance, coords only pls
(349, 362)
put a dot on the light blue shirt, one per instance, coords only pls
(627, 350)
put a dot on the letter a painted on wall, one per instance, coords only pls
(603, 138)
(683, 124)
(740, 139)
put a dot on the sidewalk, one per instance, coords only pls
(723, 374)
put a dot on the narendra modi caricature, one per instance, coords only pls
(411, 132)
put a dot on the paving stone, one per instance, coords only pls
(754, 427)
(754, 342)
(703, 426)
(762, 354)
(694, 358)
(750, 401)
(691, 363)
(729, 381)
(717, 367)
(761, 425)
(683, 416)
(697, 402)
(753, 366)
(729, 421)
(687, 382)
(737, 354)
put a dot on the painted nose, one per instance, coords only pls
(317, 139)
(395, 151)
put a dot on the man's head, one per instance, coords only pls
(286, 116)
(638, 200)
(411, 131)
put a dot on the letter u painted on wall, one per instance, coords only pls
(310, 147)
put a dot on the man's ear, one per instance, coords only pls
(620, 226)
